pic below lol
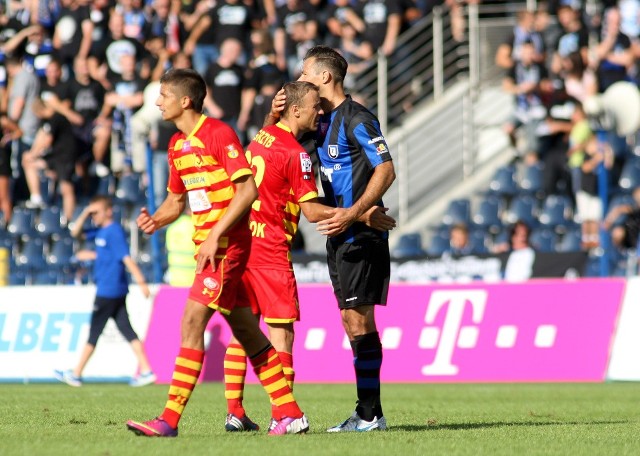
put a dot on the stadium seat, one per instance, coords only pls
(105, 185)
(487, 215)
(409, 245)
(61, 252)
(21, 223)
(17, 277)
(556, 212)
(523, 208)
(43, 277)
(531, 181)
(458, 211)
(571, 241)
(478, 241)
(129, 189)
(438, 245)
(49, 221)
(630, 175)
(543, 240)
(503, 182)
(32, 254)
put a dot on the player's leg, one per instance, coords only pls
(268, 369)
(235, 371)
(185, 375)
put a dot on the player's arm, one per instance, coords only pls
(169, 210)
(376, 217)
(246, 194)
(137, 275)
(383, 176)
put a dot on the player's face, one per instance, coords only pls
(310, 111)
(169, 103)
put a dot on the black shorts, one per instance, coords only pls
(360, 272)
(5, 160)
(63, 165)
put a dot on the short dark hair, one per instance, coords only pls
(295, 91)
(329, 59)
(188, 83)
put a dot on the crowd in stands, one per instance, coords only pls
(79, 80)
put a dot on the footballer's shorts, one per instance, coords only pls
(359, 272)
(273, 294)
(222, 289)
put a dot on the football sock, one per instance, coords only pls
(287, 368)
(367, 359)
(185, 377)
(268, 369)
(235, 371)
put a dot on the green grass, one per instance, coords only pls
(425, 419)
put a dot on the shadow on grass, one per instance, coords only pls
(472, 426)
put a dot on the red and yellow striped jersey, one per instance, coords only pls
(204, 164)
(283, 174)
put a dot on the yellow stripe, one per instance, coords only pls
(185, 378)
(286, 399)
(196, 128)
(194, 161)
(276, 386)
(233, 394)
(287, 370)
(178, 408)
(236, 351)
(234, 378)
(215, 306)
(234, 365)
(279, 320)
(201, 219)
(292, 208)
(241, 172)
(283, 126)
(291, 227)
(307, 197)
(179, 391)
(270, 373)
(189, 364)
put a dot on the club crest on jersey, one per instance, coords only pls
(381, 148)
(305, 162)
(211, 284)
(333, 151)
(232, 151)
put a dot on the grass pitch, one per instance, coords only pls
(424, 419)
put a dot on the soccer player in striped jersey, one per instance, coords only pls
(208, 168)
(356, 170)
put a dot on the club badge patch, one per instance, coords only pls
(305, 162)
(232, 151)
(333, 151)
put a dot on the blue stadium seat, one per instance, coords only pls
(129, 189)
(531, 181)
(478, 241)
(630, 175)
(88, 224)
(571, 241)
(504, 182)
(61, 252)
(105, 185)
(49, 221)
(543, 240)
(556, 212)
(487, 215)
(44, 277)
(458, 211)
(409, 245)
(438, 245)
(21, 223)
(523, 208)
(17, 277)
(32, 254)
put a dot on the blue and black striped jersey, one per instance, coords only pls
(350, 145)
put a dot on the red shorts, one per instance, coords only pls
(222, 289)
(272, 294)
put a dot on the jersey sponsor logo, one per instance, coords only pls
(376, 139)
(211, 283)
(326, 173)
(381, 149)
(194, 180)
(198, 200)
(232, 151)
(333, 151)
(305, 162)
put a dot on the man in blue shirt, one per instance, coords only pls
(110, 257)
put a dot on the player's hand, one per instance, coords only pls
(341, 220)
(207, 254)
(145, 222)
(277, 104)
(377, 219)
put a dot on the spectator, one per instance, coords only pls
(382, 20)
(340, 12)
(613, 54)
(523, 32)
(37, 49)
(111, 260)
(579, 136)
(357, 52)
(459, 244)
(588, 200)
(573, 38)
(296, 31)
(526, 80)
(134, 19)
(226, 95)
(9, 131)
(73, 31)
(579, 79)
(624, 223)
(53, 151)
(519, 264)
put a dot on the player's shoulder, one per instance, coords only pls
(354, 113)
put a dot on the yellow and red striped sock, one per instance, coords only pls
(185, 377)
(235, 371)
(268, 369)
(287, 369)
